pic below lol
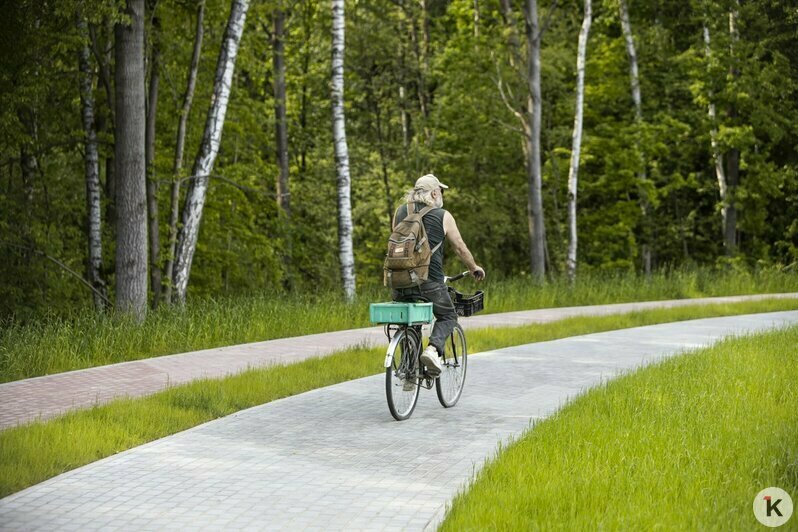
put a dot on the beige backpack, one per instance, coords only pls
(409, 252)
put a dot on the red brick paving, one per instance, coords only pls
(51, 395)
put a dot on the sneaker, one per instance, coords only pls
(409, 385)
(431, 361)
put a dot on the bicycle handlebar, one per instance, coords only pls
(457, 277)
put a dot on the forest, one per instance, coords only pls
(154, 151)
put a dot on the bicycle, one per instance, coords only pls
(405, 375)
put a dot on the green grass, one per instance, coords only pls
(53, 345)
(685, 444)
(32, 453)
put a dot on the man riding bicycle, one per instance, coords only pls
(439, 225)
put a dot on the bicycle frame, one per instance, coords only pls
(392, 342)
(394, 339)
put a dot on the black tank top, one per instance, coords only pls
(433, 225)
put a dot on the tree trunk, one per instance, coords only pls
(152, 183)
(103, 54)
(188, 96)
(634, 77)
(420, 46)
(206, 157)
(512, 36)
(576, 141)
(626, 26)
(308, 16)
(733, 155)
(281, 123)
(533, 111)
(29, 167)
(177, 168)
(405, 118)
(717, 156)
(281, 132)
(345, 251)
(131, 195)
(92, 168)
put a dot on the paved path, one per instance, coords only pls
(49, 396)
(334, 459)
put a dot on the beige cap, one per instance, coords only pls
(428, 182)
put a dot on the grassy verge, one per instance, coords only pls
(685, 444)
(84, 340)
(33, 453)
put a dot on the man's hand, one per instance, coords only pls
(478, 273)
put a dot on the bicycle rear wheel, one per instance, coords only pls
(401, 378)
(449, 385)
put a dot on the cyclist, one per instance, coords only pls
(439, 224)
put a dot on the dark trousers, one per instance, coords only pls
(442, 307)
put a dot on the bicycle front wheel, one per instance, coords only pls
(450, 383)
(401, 378)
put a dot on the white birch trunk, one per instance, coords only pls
(634, 77)
(576, 141)
(537, 233)
(626, 26)
(131, 194)
(720, 174)
(345, 251)
(209, 148)
(174, 203)
(92, 164)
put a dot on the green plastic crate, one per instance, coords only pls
(409, 313)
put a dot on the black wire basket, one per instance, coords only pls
(467, 305)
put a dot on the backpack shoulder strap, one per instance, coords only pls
(425, 210)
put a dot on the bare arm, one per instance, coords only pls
(456, 240)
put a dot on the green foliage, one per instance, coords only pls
(467, 136)
(700, 451)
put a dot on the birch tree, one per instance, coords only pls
(131, 195)
(177, 167)
(102, 49)
(209, 148)
(92, 172)
(717, 156)
(634, 79)
(576, 141)
(345, 251)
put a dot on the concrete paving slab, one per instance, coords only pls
(334, 459)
